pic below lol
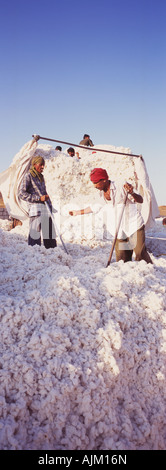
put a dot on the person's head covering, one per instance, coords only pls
(35, 161)
(98, 174)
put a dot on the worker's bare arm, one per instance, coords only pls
(87, 210)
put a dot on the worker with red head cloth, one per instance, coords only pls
(98, 174)
(131, 235)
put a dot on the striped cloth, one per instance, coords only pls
(30, 191)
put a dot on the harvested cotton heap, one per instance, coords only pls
(83, 346)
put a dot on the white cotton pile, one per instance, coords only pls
(68, 179)
(156, 238)
(83, 346)
(69, 186)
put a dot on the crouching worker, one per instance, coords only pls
(33, 191)
(131, 235)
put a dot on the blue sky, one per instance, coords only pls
(98, 67)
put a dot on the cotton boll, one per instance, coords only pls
(5, 224)
(108, 444)
(113, 285)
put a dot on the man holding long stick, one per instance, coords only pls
(33, 191)
(131, 233)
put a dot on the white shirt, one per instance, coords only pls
(131, 220)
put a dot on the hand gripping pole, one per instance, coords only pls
(117, 230)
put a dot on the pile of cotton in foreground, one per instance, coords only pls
(83, 348)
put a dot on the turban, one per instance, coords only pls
(37, 159)
(98, 174)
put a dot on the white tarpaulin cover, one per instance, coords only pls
(10, 180)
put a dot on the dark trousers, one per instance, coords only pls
(136, 242)
(44, 225)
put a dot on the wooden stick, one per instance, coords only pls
(56, 228)
(117, 230)
(89, 148)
